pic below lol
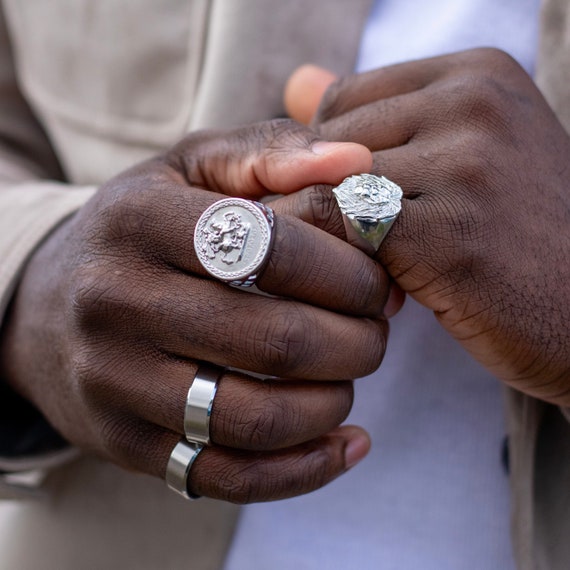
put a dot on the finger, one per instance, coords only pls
(317, 206)
(420, 214)
(308, 264)
(304, 263)
(384, 123)
(277, 337)
(248, 477)
(229, 327)
(304, 91)
(255, 415)
(278, 156)
(349, 93)
(235, 475)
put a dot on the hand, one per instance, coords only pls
(484, 233)
(114, 309)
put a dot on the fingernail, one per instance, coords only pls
(356, 450)
(324, 147)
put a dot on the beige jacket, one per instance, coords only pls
(111, 86)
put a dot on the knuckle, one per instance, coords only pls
(280, 134)
(191, 144)
(121, 439)
(261, 479)
(97, 298)
(283, 346)
(268, 423)
(287, 246)
(127, 214)
(189, 156)
(320, 463)
(495, 58)
(277, 128)
(368, 290)
(332, 103)
(102, 377)
(484, 93)
(258, 430)
(369, 348)
(250, 420)
(112, 434)
(478, 100)
(89, 381)
(462, 215)
(86, 298)
(323, 211)
(241, 479)
(235, 481)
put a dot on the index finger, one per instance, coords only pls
(304, 262)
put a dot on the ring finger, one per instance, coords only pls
(246, 413)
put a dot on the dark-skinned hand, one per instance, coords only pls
(483, 239)
(114, 311)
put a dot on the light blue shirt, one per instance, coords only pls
(432, 494)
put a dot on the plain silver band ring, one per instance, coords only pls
(199, 403)
(181, 459)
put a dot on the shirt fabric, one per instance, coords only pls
(433, 492)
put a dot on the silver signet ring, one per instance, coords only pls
(369, 205)
(232, 240)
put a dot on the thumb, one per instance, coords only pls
(304, 91)
(272, 157)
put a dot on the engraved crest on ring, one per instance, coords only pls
(232, 239)
(227, 237)
(368, 198)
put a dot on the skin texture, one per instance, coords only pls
(484, 233)
(114, 310)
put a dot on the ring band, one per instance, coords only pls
(199, 403)
(233, 238)
(181, 459)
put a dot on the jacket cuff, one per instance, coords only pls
(28, 213)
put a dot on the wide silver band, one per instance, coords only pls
(181, 459)
(199, 403)
(232, 240)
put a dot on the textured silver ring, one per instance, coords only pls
(179, 464)
(232, 240)
(369, 205)
(199, 403)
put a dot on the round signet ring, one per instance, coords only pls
(369, 205)
(232, 240)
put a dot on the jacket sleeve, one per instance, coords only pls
(34, 199)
